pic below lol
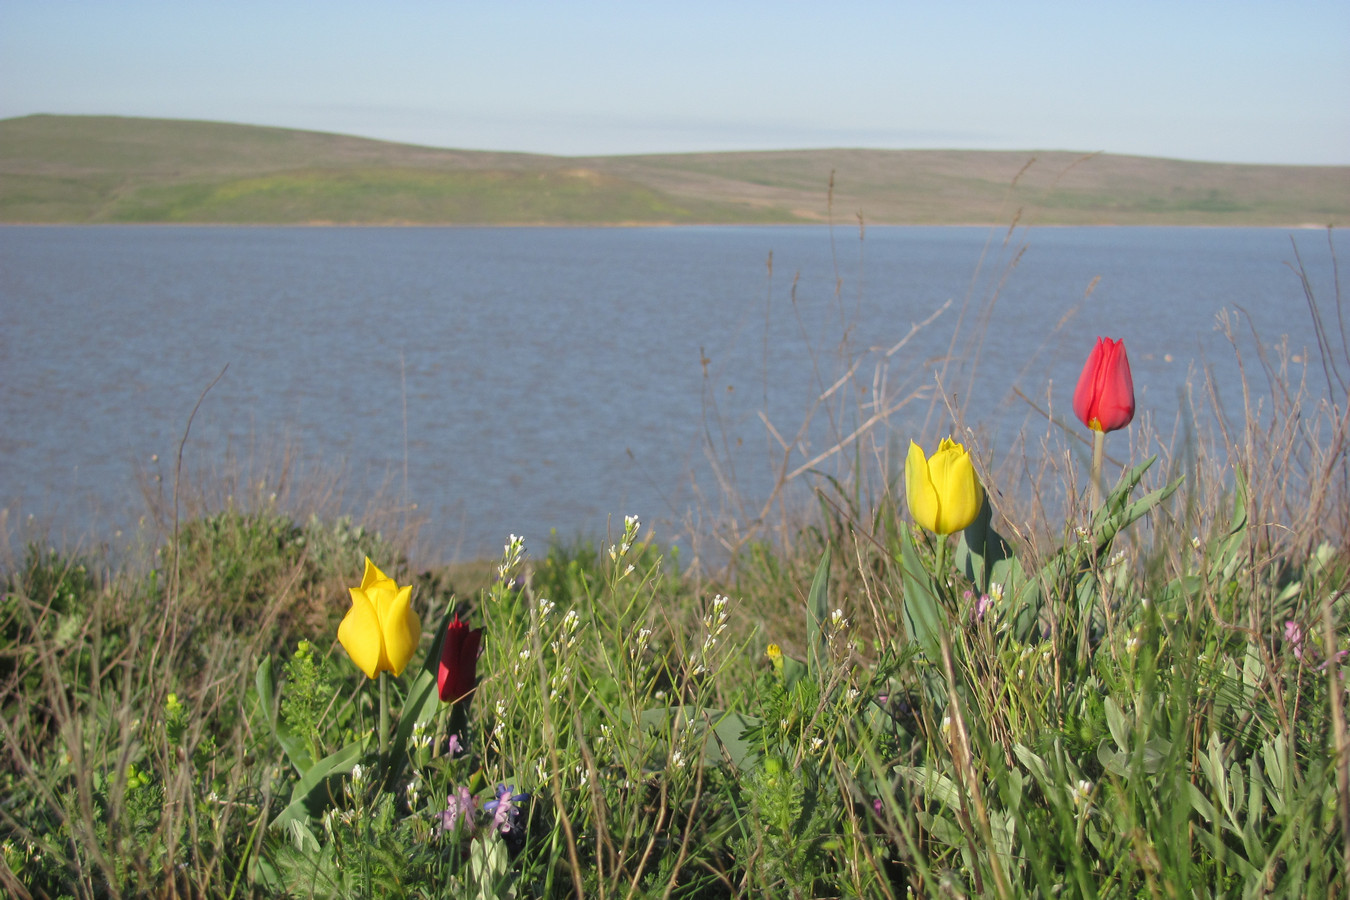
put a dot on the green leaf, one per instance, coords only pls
(1148, 758)
(980, 548)
(1200, 803)
(793, 672)
(932, 784)
(1116, 514)
(421, 702)
(1117, 723)
(1226, 857)
(817, 613)
(1038, 767)
(730, 732)
(1065, 572)
(313, 792)
(720, 735)
(265, 682)
(922, 613)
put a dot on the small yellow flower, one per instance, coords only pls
(381, 630)
(775, 655)
(943, 491)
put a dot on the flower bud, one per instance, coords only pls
(1104, 398)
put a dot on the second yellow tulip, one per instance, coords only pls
(943, 490)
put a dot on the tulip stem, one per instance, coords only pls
(384, 715)
(1098, 443)
(941, 566)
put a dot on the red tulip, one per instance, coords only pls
(1104, 398)
(459, 661)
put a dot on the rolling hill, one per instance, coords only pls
(100, 169)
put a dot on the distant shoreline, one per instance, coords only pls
(112, 170)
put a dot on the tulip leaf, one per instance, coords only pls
(418, 706)
(922, 616)
(1117, 514)
(817, 612)
(313, 792)
(793, 672)
(265, 682)
(981, 548)
(1066, 572)
(421, 702)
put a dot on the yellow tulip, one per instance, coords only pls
(381, 630)
(943, 491)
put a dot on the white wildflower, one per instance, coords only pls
(716, 618)
(511, 556)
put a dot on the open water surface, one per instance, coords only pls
(551, 378)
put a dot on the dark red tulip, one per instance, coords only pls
(1104, 398)
(459, 661)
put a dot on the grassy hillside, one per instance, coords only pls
(108, 169)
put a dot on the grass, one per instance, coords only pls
(1141, 700)
(91, 169)
(399, 196)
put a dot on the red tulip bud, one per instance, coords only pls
(459, 661)
(1104, 398)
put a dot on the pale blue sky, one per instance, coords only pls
(1226, 81)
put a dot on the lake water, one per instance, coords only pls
(524, 380)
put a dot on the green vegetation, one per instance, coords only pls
(92, 169)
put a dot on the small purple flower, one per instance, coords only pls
(982, 606)
(504, 809)
(459, 807)
(1293, 633)
(878, 806)
(1294, 636)
(453, 747)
